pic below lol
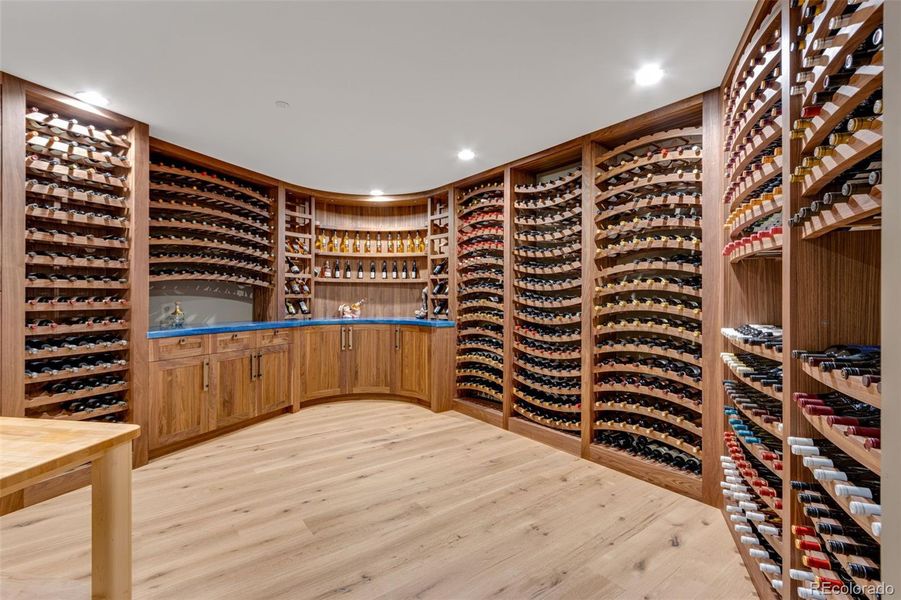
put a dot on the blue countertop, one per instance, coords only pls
(156, 333)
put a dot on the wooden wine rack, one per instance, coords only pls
(794, 243)
(297, 280)
(480, 294)
(547, 233)
(648, 197)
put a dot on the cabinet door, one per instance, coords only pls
(369, 349)
(179, 400)
(411, 361)
(234, 389)
(273, 378)
(322, 369)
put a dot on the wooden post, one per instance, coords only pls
(111, 524)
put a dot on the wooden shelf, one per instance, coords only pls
(576, 194)
(863, 144)
(747, 214)
(480, 289)
(497, 320)
(752, 116)
(646, 391)
(63, 217)
(691, 336)
(213, 229)
(635, 306)
(759, 350)
(74, 240)
(550, 236)
(64, 194)
(632, 368)
(210, 212)
(47, 399)
(470, 358)
(480, 388)
(561, 339)
(573, 266)
(756, 451)
(646, 469)
(658, 265)
(546, 221)
(374, 229)
(653, 139)
(43, 144)
(770, 246)
(210, 245)
(754, 147)
(643, 286)
(46, 284)
(74, 374)
(660, 415)
(84, 262)
(566, 321)
(195, 194)
(360, 255)
(479, 408)
(742, 189)
(550, 389)
(88, 414)
(209, 277)
(769, 501)
(69, 173)
(190, 260)
(562, 303)
(641, 245)
(850, 387)
(865, 522)
(666, 200)
(552, 185)
(620, 348)
(665, 154)
(549, 252)
(760, 388)
(774, 429)
(647, 181)
(549, 355)
(367, 281)
(852, 445)
(479, 374)
(859, 210)
(498, 204)
(541, 371)
(551, 287)
(70, 329)
(535, 418)
(36, 119)
(480, 304)
(156, 168)
(751, 85)
(64, 353)
(644, 226)
(75, 306)
(649, 433)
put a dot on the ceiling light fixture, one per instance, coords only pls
(92, 97)
(282, 104)
(648, 74)
(376, 192)
(466, 154)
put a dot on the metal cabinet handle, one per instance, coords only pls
(252, 374)
(182, 341)
(350, 339)
(343, 343)
(397, 338)
(206, 375)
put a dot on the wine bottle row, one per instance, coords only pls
(298, 278)
(648, 300)
(77, 284)
(205, 225)
(439, 245)
(353, 244)
(547, 284)
(480, 294)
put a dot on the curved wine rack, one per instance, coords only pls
(78, 220)
(480, 290)
(647, 307)
(546, 238)
(208, 226)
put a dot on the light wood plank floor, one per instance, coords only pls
(383, 500)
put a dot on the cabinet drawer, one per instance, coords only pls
(274, 337)
(239, 340)
(179, 347)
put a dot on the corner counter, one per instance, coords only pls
(212, 379)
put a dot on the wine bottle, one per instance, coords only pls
(346, 269)
(372, 269)
(394, 269)
(337, 270)
(415, 271)
(404, 274)
(359, 269)
(384, 269)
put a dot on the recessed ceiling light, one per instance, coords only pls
(648, 74)
(376, 192)
(466, 154)
(92, 97)
(282, 104)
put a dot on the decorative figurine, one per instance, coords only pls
(351, 311)
(175, 319)
(423, 309)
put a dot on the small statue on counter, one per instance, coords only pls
(351, 311)
(175, 319)
(423, 309)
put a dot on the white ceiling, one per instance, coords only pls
(382, 94)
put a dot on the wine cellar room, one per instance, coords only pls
(450, 300)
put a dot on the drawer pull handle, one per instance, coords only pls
(234, 336)
(182, 341)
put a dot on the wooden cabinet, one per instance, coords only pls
(274, 378)
(234, 387)
(369, 359)
(411, 361)
(179, 400)
(322, 361)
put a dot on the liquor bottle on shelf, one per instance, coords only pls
(404, 273)
(358, 245)
(389, 245)
(372, 269)
(378, 242)
(440, 268)
(336, 272)
(347, 274)
(418, 243)
(304, 308)
(384, 269)
(394, 273)
(359, 269)
(289, 307)
(344, 245)
(335, 242)
(414, 271)
(367, 245)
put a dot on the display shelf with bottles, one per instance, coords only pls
(647, 316)
(439, 248)
(480, 293)
(375, 252)
(546, 235)
(297, 282)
